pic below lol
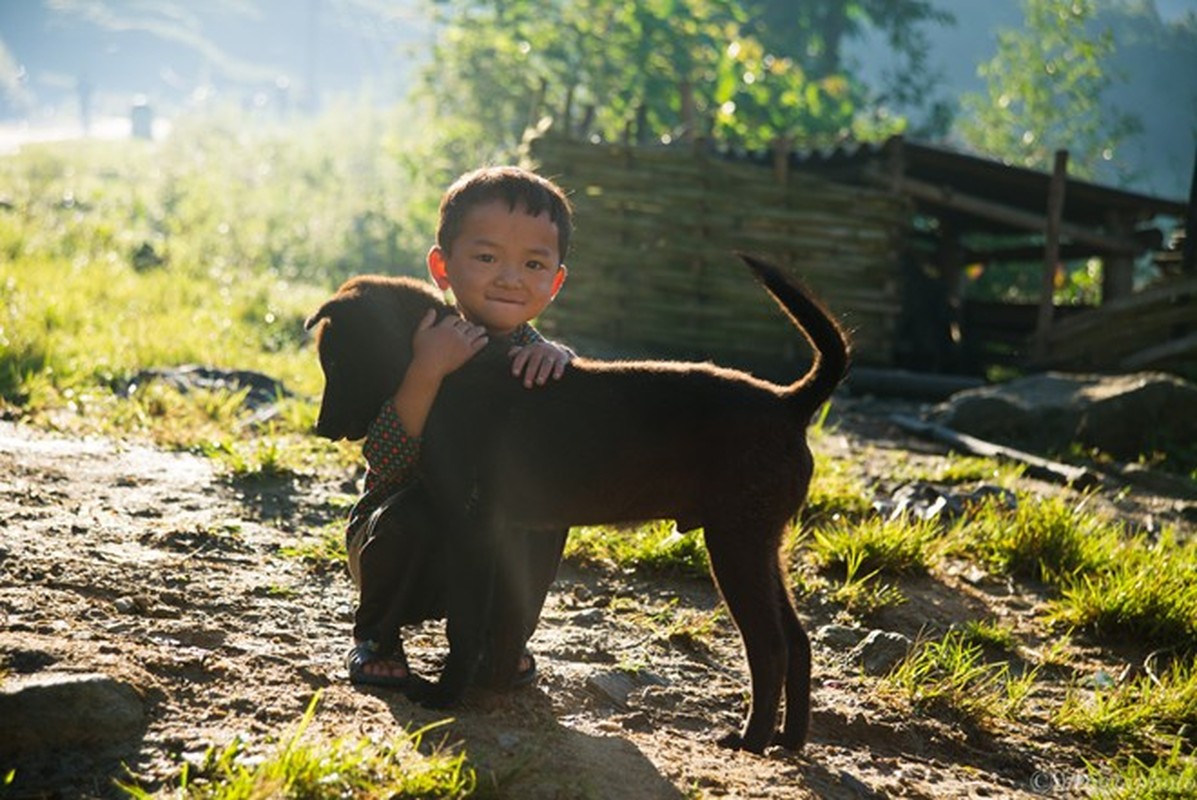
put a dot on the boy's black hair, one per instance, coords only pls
(518, 187)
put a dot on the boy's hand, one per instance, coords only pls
(538, 362)
(443, 347)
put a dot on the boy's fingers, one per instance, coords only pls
(521, 358)
(427, 320)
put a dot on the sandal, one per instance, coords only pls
(366, 652)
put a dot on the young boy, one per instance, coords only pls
(500, 247)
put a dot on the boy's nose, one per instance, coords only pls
(508, 274)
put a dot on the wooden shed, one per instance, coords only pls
(882, 232)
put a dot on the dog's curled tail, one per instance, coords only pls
(821, 329)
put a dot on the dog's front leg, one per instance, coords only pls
(468, 604)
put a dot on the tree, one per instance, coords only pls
(1044, 92)
(660, 69)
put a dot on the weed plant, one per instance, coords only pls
(951, 674)
(1145, 592)
(1170, 777)
(656, 547)
(316, 770)
(904, 545)
(1043, 539)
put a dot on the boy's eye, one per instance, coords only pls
(485, 257)
(535, 265)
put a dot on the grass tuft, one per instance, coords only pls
(899, 546)
(950, 674)
(657, 547)
(315, 770)
(1046, 540)
(1145, 592)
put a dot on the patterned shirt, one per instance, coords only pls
(392, 454)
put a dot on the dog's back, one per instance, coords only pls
(629, 441)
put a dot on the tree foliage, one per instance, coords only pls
(1044, 92)
(744, 72)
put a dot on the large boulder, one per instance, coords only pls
(57, 711)
(1123, 415)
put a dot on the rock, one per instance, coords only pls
(61, 711)
(927, 501)
(612, 686)
(839, 637)
(617, 685)
(588, 619)
(880, 651)
(1123, 415)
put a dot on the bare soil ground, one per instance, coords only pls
(147, 566)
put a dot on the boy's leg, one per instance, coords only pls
(396, 561)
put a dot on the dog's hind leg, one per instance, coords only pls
(747, 569)
(798, 675)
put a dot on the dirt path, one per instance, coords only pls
(143, 565)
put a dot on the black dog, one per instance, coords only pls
(609, 442)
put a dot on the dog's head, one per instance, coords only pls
(363, 336)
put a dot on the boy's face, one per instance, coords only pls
(503, 268)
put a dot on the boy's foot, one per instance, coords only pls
(368, 667)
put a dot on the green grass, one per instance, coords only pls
(327, 548)
(1043, 539)
(210, 248)
(312, 769)
(1150, 707)
(958, 469)
(1145, 592)
(836, 492)
(899, 546)
(656, 547)
(950, 674)
(1172, 776)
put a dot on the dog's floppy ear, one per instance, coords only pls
(354, 389)
(363, 336)
(321, 313)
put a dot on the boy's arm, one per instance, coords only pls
(392, 445)
(536, 358)
(437, 350)
(391, 452)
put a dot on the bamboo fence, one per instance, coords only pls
(652, 266)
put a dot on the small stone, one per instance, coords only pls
(880, 652)
(839, 637)
(588, 619)
(125, 605)
(612, 686)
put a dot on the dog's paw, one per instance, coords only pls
(736, 741)
(437, 696)
(790, 741)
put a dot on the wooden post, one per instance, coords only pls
(781, 159)
(1188, 261)
(1051, 251)
(689, 119)
(1117, 269)
(895, 166)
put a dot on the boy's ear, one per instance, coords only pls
(559, 279)
(436, 268)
